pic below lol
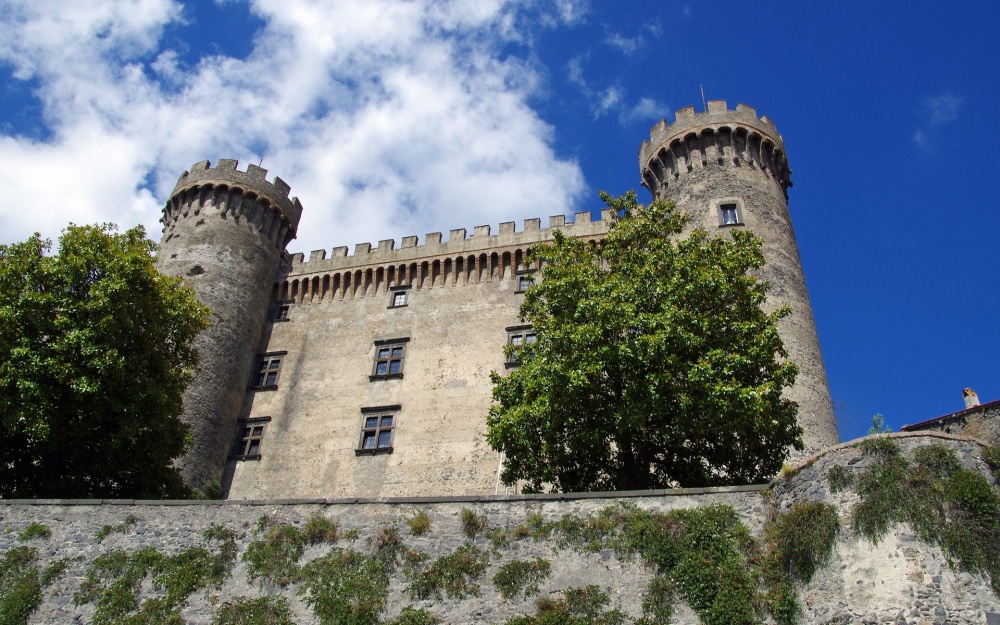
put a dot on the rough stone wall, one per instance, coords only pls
(461, 297)
(899, 580)
(980, 422)
(722, 156)
(224, 234)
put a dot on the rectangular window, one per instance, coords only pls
(729, 214)
(389, 357)
(284, 311)
(249, 438)
(398, 296)
(268, 369)
(377, 427)
(524, 280)
(517, 338)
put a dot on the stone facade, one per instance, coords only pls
(440, 312)
(897, 580)
(981, 422)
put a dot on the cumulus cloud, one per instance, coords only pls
(935, 111)
(388, 119)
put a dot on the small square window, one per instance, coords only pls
(398, 296)
(729, 215)
(376, 431)
(517, 338)
(389, 357)
(268, 370)
(249, 438)
(283, 312)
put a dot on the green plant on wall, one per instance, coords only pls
(345, 587)
(119, 528)
(419, 523)
(115, 578)
(946, 504)
(261, 611)
(453, 574)
(708, 557)
(34, 530)
(275, 556)
(578, 606)
(796, 544)
(521, 577)
(20, 588)
(472, 524)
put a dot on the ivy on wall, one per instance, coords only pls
(705, 557)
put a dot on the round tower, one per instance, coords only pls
(727, 169)
(224, 233)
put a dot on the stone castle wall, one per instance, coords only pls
(331, 316)
(898, 580)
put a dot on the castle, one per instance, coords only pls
(367, 375)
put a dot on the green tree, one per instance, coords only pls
(654, 365)
(95, 353)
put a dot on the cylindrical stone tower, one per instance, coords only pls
(727, 169)
(224, 233)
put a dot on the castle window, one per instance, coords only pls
(524, 280)
(729, 215)
(249, 437)
(389, 359)
(377, 427)
(518, 337)
(398, 296)
(283, 312)
(268, 369)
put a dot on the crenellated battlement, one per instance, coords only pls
(252, 181)
(717, 136)
(245, 197)
(459, 243)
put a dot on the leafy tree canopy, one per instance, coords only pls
(654, 366)
(95, 352)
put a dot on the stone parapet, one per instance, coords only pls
(459, 242)
(253, 180)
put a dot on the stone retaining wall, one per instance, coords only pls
(900, 580)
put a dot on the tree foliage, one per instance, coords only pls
(95, 353)
(654, 365)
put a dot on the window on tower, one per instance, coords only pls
(729, 214)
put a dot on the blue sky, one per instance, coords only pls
(396, 118)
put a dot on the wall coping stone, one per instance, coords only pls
(895, 435)
(624, 494)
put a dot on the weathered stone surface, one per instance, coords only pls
(899, 580)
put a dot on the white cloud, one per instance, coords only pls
(388, 119)
(942, 108)
(935, 111)
(645, 110)
(607, 100)
(628, 45)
